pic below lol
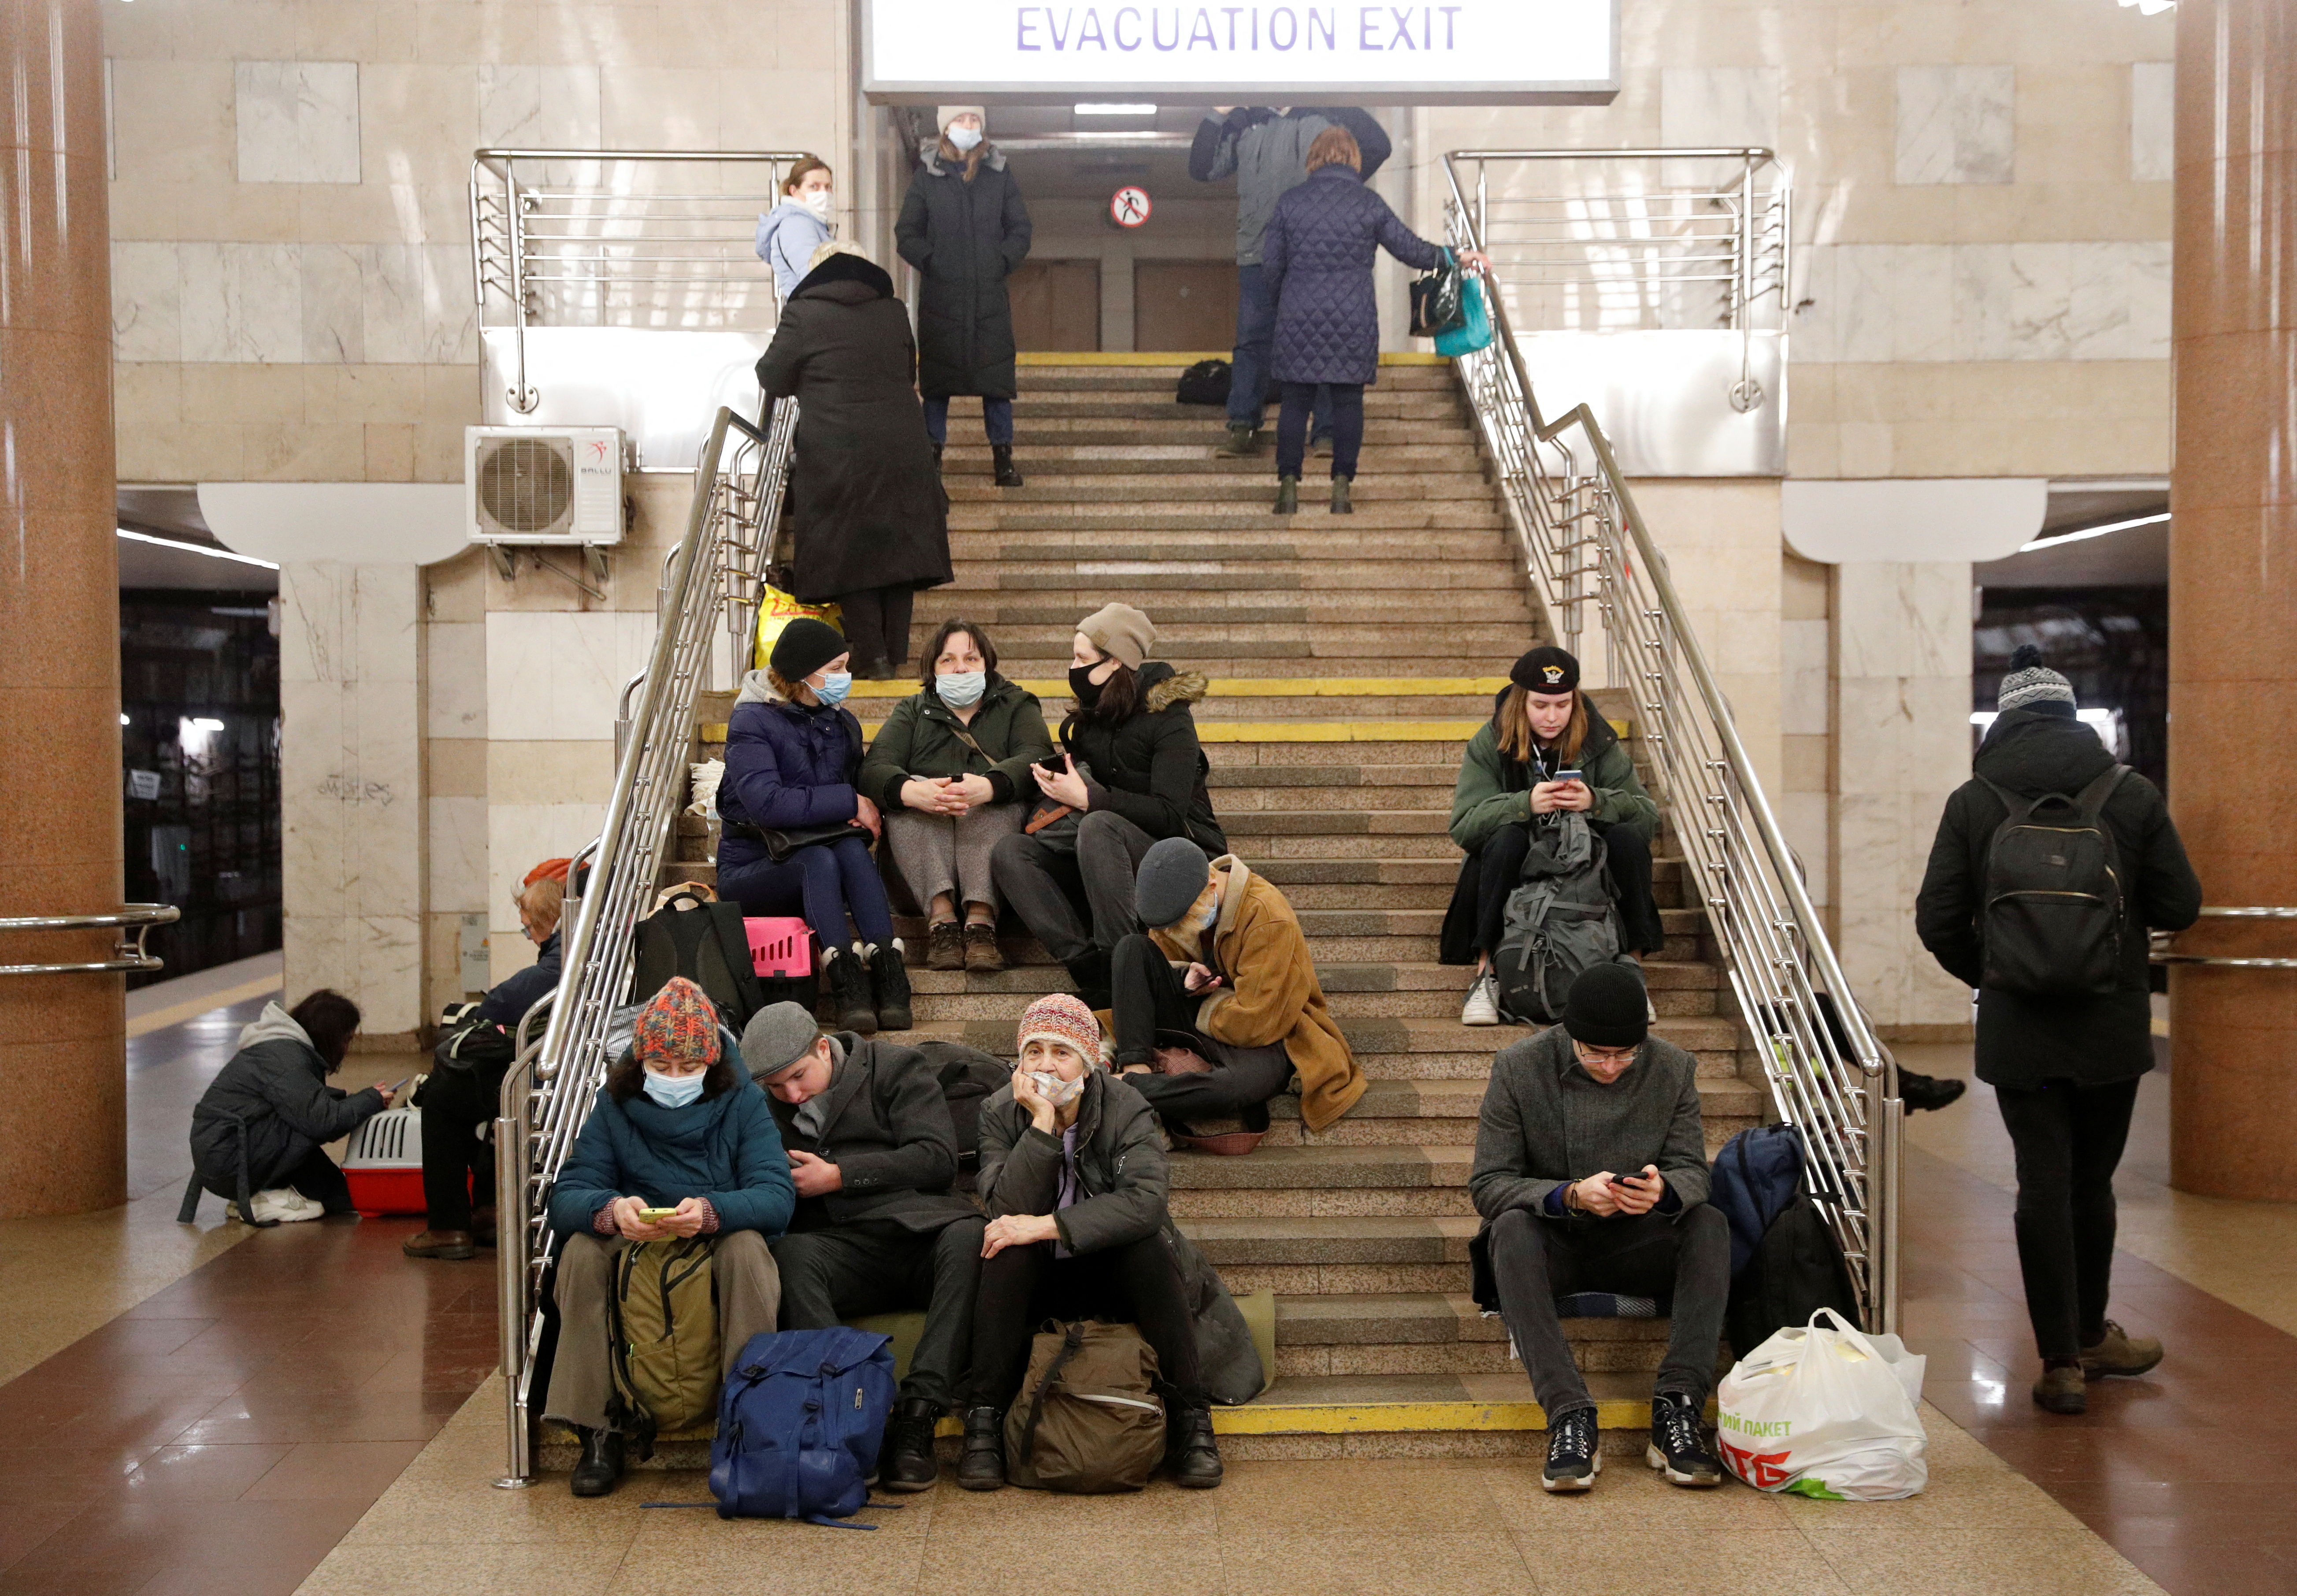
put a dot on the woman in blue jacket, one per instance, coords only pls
(793, 755)
(675, 1126)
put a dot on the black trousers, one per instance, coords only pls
(320, 1177)
(456, 1103)
(1686, 1255)
(1150, 997)
(1627, 861)
(1073, 900)
(1345, 414)
(877, 624)
(2068, 1140)
(834, 1277)
(1023, 1286)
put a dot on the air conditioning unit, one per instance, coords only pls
(542, 486)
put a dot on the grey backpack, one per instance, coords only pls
(1559, 921)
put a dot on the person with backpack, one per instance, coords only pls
(675, 1126)
(793, 761)
(1224, 972)
(262, 1125)
(1591, 1176)
(876, 1229)
(1519, 772)
(2050, 867)
(1073, 1177)
(1131, 773)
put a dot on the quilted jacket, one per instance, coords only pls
(965, 239)
(1318, 256)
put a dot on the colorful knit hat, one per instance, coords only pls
(1062, 1017)
(678, 1026)
(2030, 685)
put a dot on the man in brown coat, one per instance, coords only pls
(1224, 972)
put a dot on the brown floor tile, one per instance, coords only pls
(66, 1474)
(2219, 1570)
(24, 1525)
(201, 1473)
(348, 1470)
(261, 1414)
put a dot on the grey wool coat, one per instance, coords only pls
(889, 1133)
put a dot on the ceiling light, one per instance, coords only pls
(2054, 539)
(204, 723)
(123, 719)
(1115, 108)
(2151, 8)
(195, 549)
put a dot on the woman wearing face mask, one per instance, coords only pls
(949, 771)
(789, 234)
(1131, 774)
(1073, 1180)
(964, 227)
(675, 1126)
(1543, 725)
(792, 758)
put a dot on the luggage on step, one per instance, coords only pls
(1825, 1411)
(1088, 1419)
(1206, 382)
(968, 1078)
(1755, 1177)
(1795, 1271)
(704, 941)
(662, 1318)
(1559, 922)
(799, 1422)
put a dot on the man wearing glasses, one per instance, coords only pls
(1591, 1174)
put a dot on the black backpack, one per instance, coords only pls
(968, 1078)
(2051, 920)
(1206, 382)
(691, 936)
(468, 1043)
(1796, 1269)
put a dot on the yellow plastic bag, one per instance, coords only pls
(777, 609)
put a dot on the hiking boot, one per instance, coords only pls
(1287, 496)
(2119, 1353)
(849, 990)
(1006, 477)
(1572, 1460)
(601, 1468)
(1191, 1452)
(1241, 444)
(981, 1466)
(910, 1463)
(1676, 1448)
(452, 1246)
(2060, 1390)
(944, 946)
(1089, 971)
(981, 954)
(1919, 1091)
(889, 978)
(1342, 504)
(1482, 1005)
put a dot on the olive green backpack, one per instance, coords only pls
(663, 1321)
(1088, 1419)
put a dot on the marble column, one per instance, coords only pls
(2233, 591)
(62, 1067)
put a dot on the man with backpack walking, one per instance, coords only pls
(2051, 865)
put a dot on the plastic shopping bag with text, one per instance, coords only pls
(1825, 1412)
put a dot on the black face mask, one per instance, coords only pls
(1081, 683)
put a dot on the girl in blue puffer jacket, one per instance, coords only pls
(792, 752)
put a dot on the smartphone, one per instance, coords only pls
(400, 1086)
(1055, 766)
(654, 1216)
(1622, 1180)
(1568, 776)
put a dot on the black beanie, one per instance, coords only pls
(1546, 669)
(805, 646)
(1607, 1008)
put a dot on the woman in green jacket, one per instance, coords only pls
(950, 770)
(1543, 724)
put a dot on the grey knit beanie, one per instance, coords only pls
(776, 1037)
(1171, 876)
(2030, 685)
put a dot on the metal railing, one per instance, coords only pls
(2164, 949)
(134, 921)
(589, 237)
(1587, 547)
(548, 1093)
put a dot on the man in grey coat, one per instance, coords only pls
(1591, 1174)
(1266, 152)
(873, 1153)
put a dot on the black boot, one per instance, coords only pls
(908, 1462)
(1919, 1091)
(601, 1467)
(1191, 1452)
(936, 449)
(1089, 971)
(889, 979)
(849, 990)
(1006, 477)
(1287, 496)
(982, 1465)
(1342, 504)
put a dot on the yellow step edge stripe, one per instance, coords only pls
(1190, 356)
(1392, 1417)
(1268, 687)
(1278, 731)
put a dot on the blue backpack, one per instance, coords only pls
(799, 1425)
(1756, 1178)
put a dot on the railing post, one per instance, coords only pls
(511, 1231)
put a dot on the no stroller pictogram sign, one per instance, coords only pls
(1129, 207)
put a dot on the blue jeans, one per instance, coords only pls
(996, 419)
(1250, 386)
(822, 883)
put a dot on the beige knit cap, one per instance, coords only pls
(1120, 629)
(944, 115)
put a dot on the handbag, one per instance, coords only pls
(782, 842)
(1435, 299)
(1473, 330)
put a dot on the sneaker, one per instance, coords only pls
(982, 954)
(1482, 1005)
(2118, 1353)
(910, 1463)
(1572, 1460)
(1242, 443)
(2060, 1390)
(981, 1466)
(1676, 1448)
(944, 946)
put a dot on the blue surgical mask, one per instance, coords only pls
(961, 688)
(675, 1091)
(834, 685)
(964, 138)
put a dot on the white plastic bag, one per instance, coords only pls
(1829, 1413)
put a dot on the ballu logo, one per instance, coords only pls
(1236, 29)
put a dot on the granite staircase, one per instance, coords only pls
(1351, 658)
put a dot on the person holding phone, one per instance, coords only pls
(1546, 749)
(1591, 1175)
(262, 1126)
(675, 1127)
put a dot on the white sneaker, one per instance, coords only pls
(283, 1203)
(1482, 1005)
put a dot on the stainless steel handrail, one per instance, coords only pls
(549, 1093)
(2162, 953)
(1585, 543)
(128, 952)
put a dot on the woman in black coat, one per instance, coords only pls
(964, 227)
(872, 519)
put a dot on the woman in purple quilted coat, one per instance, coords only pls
(1321, 243)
